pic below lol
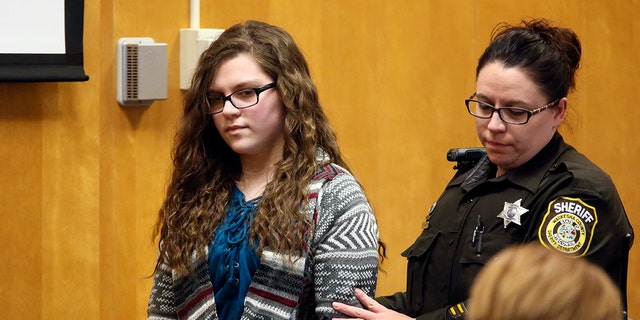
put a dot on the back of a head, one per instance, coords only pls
(531, 282)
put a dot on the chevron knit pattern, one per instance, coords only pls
(343, 256)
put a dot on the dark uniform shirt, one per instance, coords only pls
(558, 198)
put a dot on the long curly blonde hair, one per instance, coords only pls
(205, 168)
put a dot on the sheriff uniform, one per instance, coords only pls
(558, 198)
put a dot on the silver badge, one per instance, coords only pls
(512, 212)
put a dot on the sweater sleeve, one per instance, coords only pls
(344, 246)
(161, 302)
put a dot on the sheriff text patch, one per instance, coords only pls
(568, 226)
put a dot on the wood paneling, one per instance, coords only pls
(83, 178)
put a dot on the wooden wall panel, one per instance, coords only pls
(83, 178)
(20, 200)
(138, 160)
(70, 228)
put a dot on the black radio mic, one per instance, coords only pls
(465, 158)
(465, 154)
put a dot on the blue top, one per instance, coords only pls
(232, 261)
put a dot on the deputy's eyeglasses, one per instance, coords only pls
(240, 99)
(513, 115)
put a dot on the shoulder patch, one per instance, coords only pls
(568, 226)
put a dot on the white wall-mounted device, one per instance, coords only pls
(192, 43)
(142, 71)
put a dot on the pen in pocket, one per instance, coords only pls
(476, 238)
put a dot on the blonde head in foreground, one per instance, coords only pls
(531, 282)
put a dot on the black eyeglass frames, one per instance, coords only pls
(240, 99)
(512, 115)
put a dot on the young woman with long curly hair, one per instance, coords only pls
(262, 218)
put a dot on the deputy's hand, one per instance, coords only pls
(374, 311)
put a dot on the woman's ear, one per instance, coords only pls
(560, 112)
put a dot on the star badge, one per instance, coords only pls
(512, 212)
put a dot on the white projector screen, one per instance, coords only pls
(41, 40)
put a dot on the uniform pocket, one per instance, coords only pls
(421, 246)
(418, 255)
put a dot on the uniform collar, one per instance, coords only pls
(528, 175)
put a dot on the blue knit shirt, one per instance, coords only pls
(232, 261)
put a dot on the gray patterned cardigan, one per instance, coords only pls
(342, 256)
